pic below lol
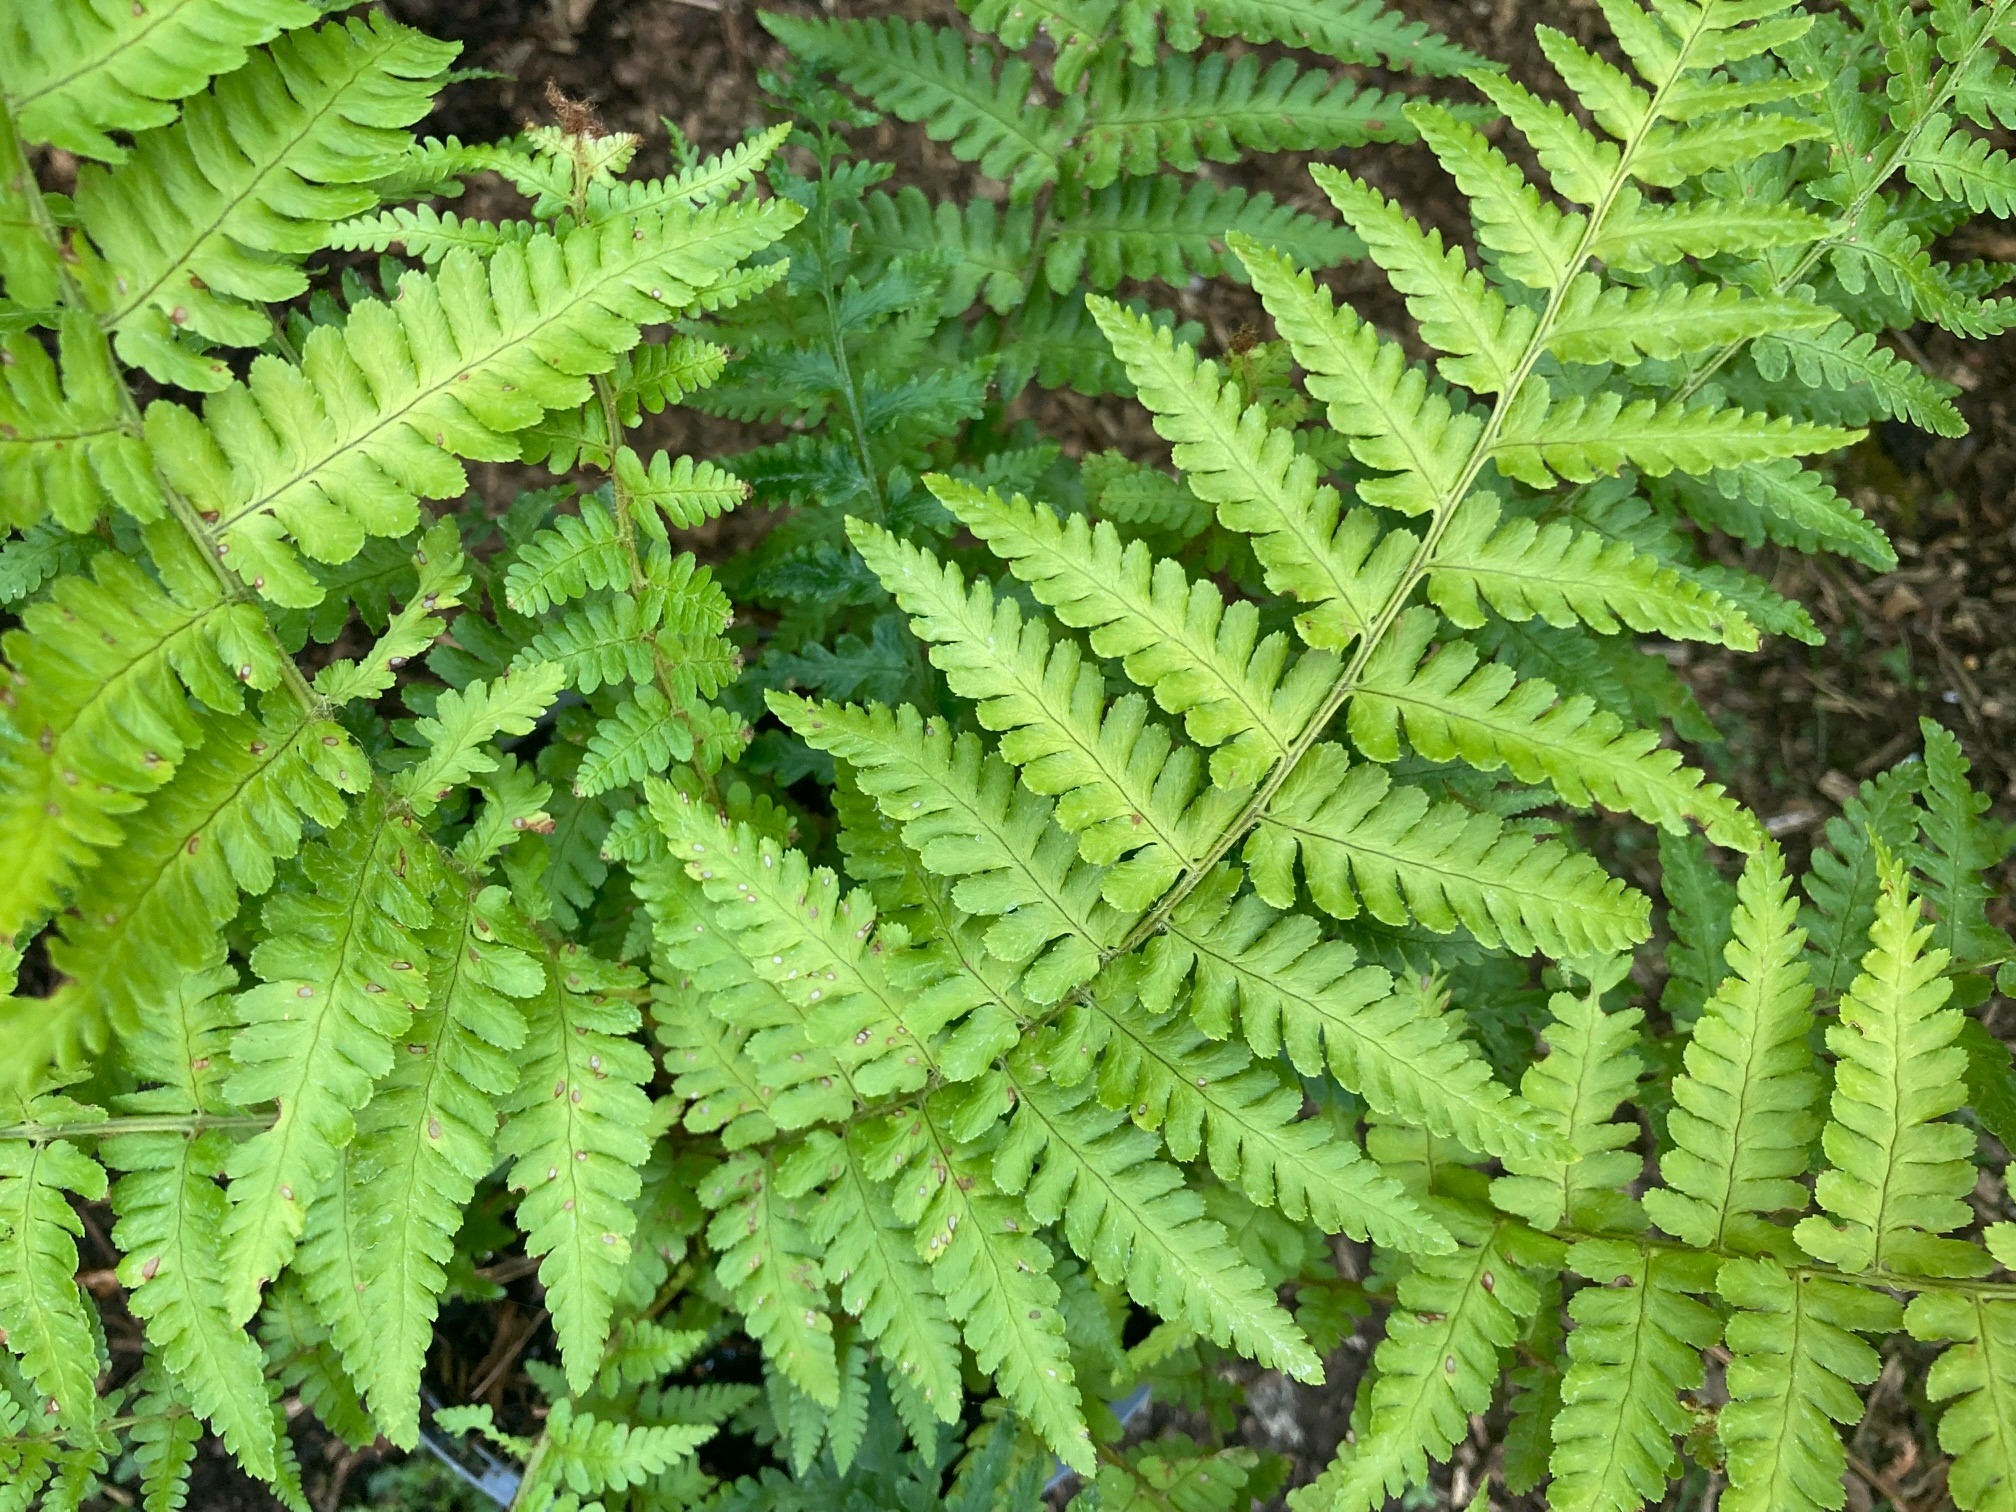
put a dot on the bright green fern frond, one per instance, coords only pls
(1601, 322)
(439, 581)
(1133, 1220)
(928, 74)
(1294, 990)
(564, 560)
(1743, 1117)
(1436, 1365)
(1958, 848)
(1795, 1364)
(1210, 1098)
(967, 818)
(67, 450)
(207, 220)
(373, 419)
(994, 1273)
(165, 1434)
(1125, 786)
(426, 1137)
(870, 1257)
(1261, 485)
(1175, 229)
(1367, 843)
(1351, 31)
(1898, 1172)
(1841, 358)
(48, 1323)
(1974, 1379)
(576, 1132)
(236, 806)
(1177, 638)
(1454, 706)
(1633, 1350)
(686, 492)
(588, 1455)
(1582, 439)
(98, 714)
(342, 973)
(703, 183)
(464, 722)
(1563, 575)
(426, 233)
(1182, 112)
(1844, 881)
(76, 72)
(769, 1265)
(1590, 1066)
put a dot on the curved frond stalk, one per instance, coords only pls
(77, 72)
(575, 1132)
(206, 221)
(1245, 696)
(1394, 1047)
(1437, 1363)
(1633, 1349)
(1368, 844)
(1743, 1117)
(97, 712)
(1898, 1174)
(1132, 1219)
(345, 445)
(1795, 1364)
(342, 973)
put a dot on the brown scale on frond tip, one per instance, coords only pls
(576, 117)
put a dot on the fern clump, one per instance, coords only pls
(1180, 883)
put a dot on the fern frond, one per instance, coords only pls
(870, 1257)
(345, 445)
(48, 1323)
(1589, 1068)
(564, 560)
(1601, 322)
(1957, 849)
(1167, 228)
(812, 942)
(426, 233)
(1125, 787)
(1177, 638)
(994, 1273)
(1795, 1361)
(703, 183)
(770, 1267)
(426, 1137)
(165, 1438)
(1261, 485)
(1843, 359)
(98, 715)
(1743, 1120)
(1563, 575)
(1354, 31)
(1785, 502)
(576, 1133)
(67, 450)
(77, 72)
(236, 806)
(991, 250)
(464, 722)
(1182, 112)
(1211, 1099)
(967, 818)
(589, 1455)
(207, 220)
(1396, 422)
(1367, 843)
(1897, 1175)
(342, 974)
(1583, 439)
(1294, 990)
(1454, 707)
(928, 74)
(1844, 880)
(171, 1224)
(1978, 1425)
(686, 492)
(1131, 1218)
(1436, 1365)
(1633, 1349)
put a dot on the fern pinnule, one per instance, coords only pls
(41, 1306)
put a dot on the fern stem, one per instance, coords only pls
(1849, 217)
(1444, 511)
(137, 1123)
